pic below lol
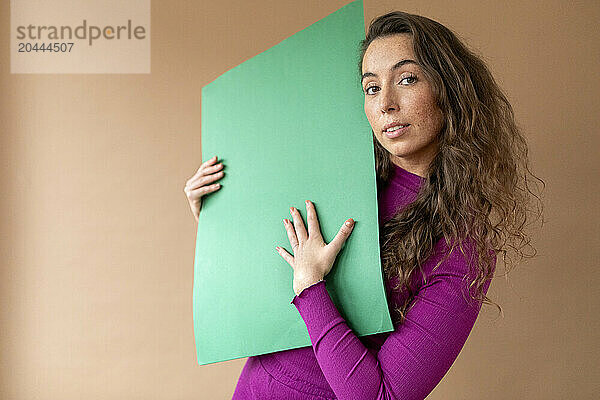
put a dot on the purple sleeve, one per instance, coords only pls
(415, 356)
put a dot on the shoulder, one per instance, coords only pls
(460, 259)
(451, 270)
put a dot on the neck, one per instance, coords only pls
(417, 164)
(413, 168)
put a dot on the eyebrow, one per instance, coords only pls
(395, 66)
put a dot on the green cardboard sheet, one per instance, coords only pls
(289, 126)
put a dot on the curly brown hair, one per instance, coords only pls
(477, 189)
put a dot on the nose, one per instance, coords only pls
(388, 100)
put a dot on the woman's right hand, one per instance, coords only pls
(202, 183)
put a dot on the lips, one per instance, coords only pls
(392, 124)
(396, 132)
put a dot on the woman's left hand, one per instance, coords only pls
(313, 258)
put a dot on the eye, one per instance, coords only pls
(413, 77)
(370, 87)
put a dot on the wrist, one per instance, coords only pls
(301, 284)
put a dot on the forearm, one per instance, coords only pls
(349, 367)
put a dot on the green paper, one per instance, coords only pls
(289, 126)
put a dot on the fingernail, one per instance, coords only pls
(349, 222)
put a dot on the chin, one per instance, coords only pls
(401, 150)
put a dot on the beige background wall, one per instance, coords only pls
(98, 241)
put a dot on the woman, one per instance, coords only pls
(452, 173)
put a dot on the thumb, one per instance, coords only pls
(343, 234)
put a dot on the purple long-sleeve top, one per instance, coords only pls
(406, 363)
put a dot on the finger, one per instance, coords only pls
(286, 256)
(301, 233)
(204, 179)
(312, 220)
(208, 162)
(212, 168)
(291, 235)
(199, 172)
(203, 171)
(343, 234)
(197, 193)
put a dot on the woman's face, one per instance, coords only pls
(397, 92)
